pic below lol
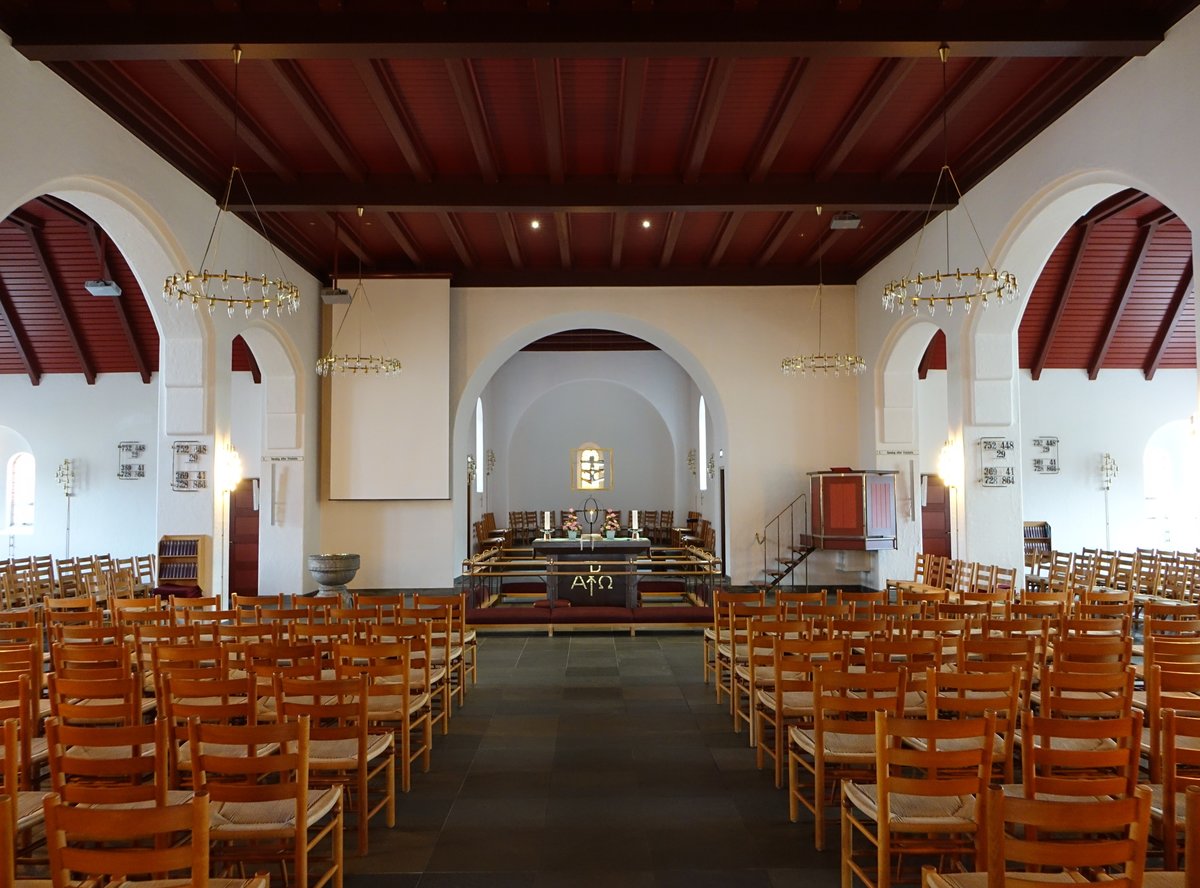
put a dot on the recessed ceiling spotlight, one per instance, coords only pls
(645, 223)
(535, 224)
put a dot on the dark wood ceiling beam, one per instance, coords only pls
(148, 120)
(799, 86)
(601, 194)
(466, 91)
(26, 219)
(120, 303)
(1161, 216)
(885, 80)
(785, 227)
(66, 210)
(619, 221)
(671, 276)
(210, 91)
(824, 245)
(549, 90)
(562, 232)
(633, 87)
(670, 238)
(347, 239)
(966, 89)
(725, 235)
(926, 361)
(1113, 206)
(1062, 298)
(1128, 283)
(716, 82)
(1174, 312)
(508, 231)
(11, 322)
(1075, 79)
(56, 296)
(608, 33)
(294, 240)
(458, 240)
(395, 226)
(889, 236)
(381, 87)
(289, 77)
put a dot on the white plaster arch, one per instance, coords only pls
(895, 379)
(479, 376)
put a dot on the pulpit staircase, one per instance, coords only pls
(786, 545)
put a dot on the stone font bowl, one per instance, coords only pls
(333, 570)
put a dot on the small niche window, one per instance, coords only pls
(19, 488)
(591, 467)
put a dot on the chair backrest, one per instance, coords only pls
(270, 763)
(1181, 777)
(1087, 694)
(118, 765)
(951, 757)
(130, 841)
(1080, 756)
(1116, 831)
(847, 702)
(95, 701)
(1092, 653)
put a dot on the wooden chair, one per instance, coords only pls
(790, 699)
(1075, 838)
(425, 673)
(400, 698)
(151, 842)
(972, 694)
(840, 745)
(110, 766)
(1173, 806)
(25, 812)
(924, 801)
(914, 655)
(758, 669)
(1079, 757)
(717, 633)
(209, 696)
(343, 750)
(264, 807)
(737, 652)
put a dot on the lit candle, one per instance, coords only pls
(546, 521)
(634, 520)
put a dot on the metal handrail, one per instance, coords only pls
(790, 512)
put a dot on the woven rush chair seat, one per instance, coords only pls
(852, 748)
(271, 817)
(916, 813)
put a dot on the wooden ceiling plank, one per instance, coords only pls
(926, 360)
(1112, 206)
(784, 227)
(381, 87)
(672, 276)
(1060, 304)
(1129, 281)
(799, 86)
(670, 239)
(725, 235)
(601, 33)
(887, 78)
(466, 91)
(210, 91)
(56, 296)
(1171, 320)
(297, 242)
(549, 88)
(401, 235)
(562, 232)
(618, 238)
(290, 78)
(508, 230)
(66, 210)
(858, 193)
(716, 82)
(966, 89)
(633, 87)
(148, 120)
(347, 239)
(12, 322)
(1160, 217)
(457, 239)
(120, 304)
(824, 245)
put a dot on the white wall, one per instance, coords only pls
(647, 476)
(65, 418)
(1116, 414)
(934, 421)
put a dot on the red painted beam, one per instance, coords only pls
(303, 98)
(784, 227)
(887, 78)
(633, 87)
(99, 242)
(562, 231)
(466, 91)
(1132, 270)
(1174, 312)
(381, 87)
(56, 295)
(550, 106)
(508, 231)
(671, 238)
(1060, 306)
(716, 82)
(12, 323)
(799, 86)
(729, 227)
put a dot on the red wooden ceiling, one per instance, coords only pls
(458, 123)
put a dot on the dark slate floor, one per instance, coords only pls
(592, 760)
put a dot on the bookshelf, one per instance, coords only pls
(184, 561)
(1037, 537)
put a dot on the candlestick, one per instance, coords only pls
(633, 519)
(546, 521)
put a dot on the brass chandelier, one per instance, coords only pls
(820, 362)
(340, 362)
(230, 289)
(983, 284)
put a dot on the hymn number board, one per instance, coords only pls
(996, 456)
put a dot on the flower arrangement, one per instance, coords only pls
(612, 521)
(570, 521)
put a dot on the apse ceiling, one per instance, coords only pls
(652, 143)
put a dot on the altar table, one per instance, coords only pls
(592, 572)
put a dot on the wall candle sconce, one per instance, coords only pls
(65, 476)
(1108, 472)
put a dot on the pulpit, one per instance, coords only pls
(853, 509)
(592, 572)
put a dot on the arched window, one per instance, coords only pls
(1171, 478)
(703, 440)
(18, 489)
(479, 445)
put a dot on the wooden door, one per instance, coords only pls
(243, 539)
(935, 517)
